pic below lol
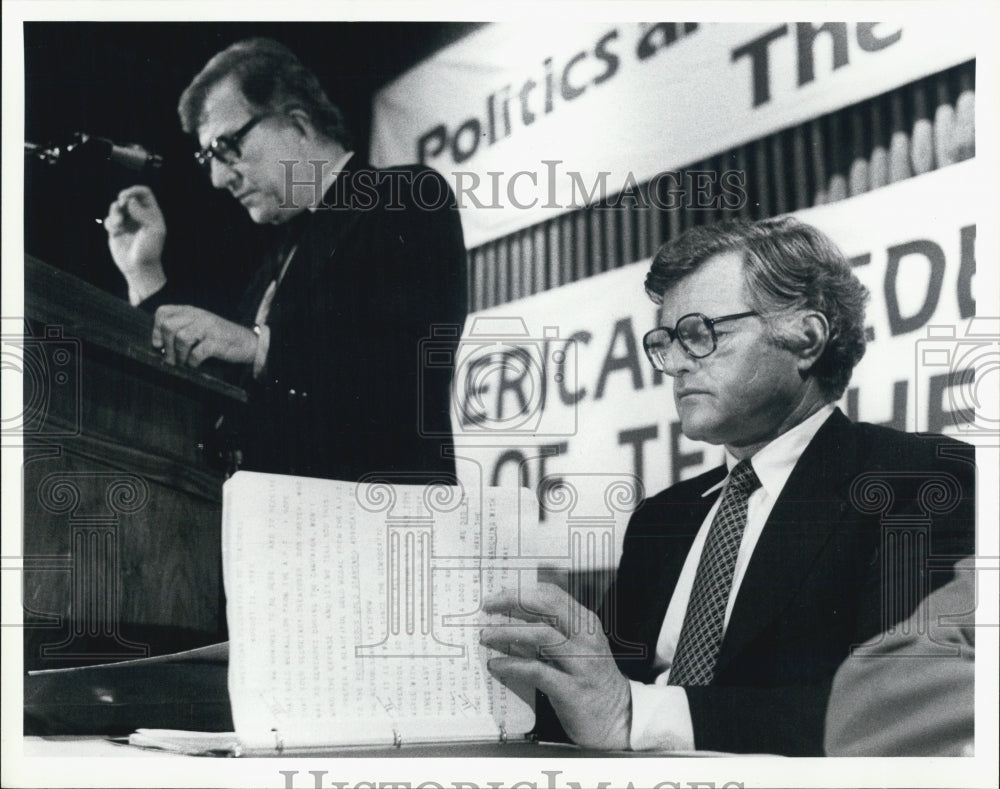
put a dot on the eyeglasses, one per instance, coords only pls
(695, 333)
(226, 147)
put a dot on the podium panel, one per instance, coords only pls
(121, 507)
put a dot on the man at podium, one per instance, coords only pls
(373, 262)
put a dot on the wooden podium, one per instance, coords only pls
(121, 508)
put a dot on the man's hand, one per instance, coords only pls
(189, 335)
(560, 648)
(136, 234)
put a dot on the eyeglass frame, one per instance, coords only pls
(231, 141)
(674, 336)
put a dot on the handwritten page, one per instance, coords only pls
(354, 610)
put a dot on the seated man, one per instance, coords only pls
(329, 340)
(741, 591)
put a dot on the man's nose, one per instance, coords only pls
(223, 175)
(676, 360)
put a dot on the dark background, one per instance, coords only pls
(122, 81)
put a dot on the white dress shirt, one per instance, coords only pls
(260, 320)
(661, 717)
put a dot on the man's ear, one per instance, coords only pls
(814, 334)
(300, 118)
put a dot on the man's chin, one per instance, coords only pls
(262, 215)
(700, 430)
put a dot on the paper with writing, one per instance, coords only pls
(354, 610)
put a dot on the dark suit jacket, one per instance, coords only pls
(377, 284)
(833, 568)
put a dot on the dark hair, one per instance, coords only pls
(272, 79)
(788, 266)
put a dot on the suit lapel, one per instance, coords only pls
(672, 527)
(339, 212)
(809, 511)
(322, 235)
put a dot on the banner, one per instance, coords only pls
(528, 122)
(554, 392)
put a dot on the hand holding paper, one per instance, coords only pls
(560, 648)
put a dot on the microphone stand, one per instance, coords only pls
(134, 157)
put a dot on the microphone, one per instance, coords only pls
(133, 156)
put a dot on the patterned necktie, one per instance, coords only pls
(292, 233)
(701, 635)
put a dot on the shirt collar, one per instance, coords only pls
(774, 463)
(330, 177)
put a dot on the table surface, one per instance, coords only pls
(75, 746)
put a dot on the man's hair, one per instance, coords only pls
(271, 79)
(788, 266)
